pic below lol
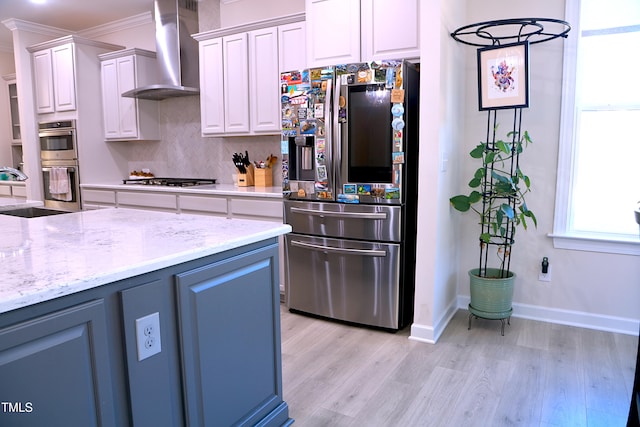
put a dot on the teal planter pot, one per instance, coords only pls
(491, 297)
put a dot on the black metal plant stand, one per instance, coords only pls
(505, 31)
(498, 33)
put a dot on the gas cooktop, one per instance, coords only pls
(170, 182)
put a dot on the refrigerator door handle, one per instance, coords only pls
(343, 251)
(346, 215)
(336, 162)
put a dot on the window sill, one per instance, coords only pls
(593, 242)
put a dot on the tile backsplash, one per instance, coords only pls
(184, 152)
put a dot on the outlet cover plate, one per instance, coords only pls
(148, 335)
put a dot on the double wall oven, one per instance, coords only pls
(59, 161)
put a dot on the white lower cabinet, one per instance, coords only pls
(203, 205)
(153, 201)
(255, 209)
(7, 189)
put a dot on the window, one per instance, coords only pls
(599, 156)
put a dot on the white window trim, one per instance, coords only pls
(562, 237)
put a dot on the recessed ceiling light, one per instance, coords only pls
(38, 1)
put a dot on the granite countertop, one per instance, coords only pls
(8, 203)
(217, 189)
(49, 257)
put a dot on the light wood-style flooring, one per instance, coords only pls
(538, 374)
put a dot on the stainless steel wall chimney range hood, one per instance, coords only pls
(176, 51)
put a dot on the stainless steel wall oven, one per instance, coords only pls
(60, 168)
(58, 140)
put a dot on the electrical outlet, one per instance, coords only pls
(148, 335)
(545, 277)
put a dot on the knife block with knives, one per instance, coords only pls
(246, 179)
(245, 169)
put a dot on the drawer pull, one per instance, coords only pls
(343, 251)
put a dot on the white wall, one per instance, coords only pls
(441, 99)
(6, 67)
(592, 289)
(237, 12)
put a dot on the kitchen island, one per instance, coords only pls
(76, 289)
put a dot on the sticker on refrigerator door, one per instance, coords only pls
(348, 198)
(321, 173)
(349, 189)
(378, 192)
(390, 78)
(396, 176)
(364, 189)
(392, 193)
(292, 78)
(397, 124)
(397, 157)
(397, 138)
(397, 96)
(318, 111)
(298, 99)
(397, 110)
(308, 127)
(398, 82)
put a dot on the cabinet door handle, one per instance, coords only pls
(343, 251)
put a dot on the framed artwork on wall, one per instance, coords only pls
(503, 76)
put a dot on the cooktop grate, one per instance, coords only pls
(170, 182)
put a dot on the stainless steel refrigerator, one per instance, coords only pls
(350, 171)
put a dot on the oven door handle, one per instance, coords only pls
(69, 168)
(45, 134)
(343, 251)
(346, 215)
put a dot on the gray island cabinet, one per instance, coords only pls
(75, 287)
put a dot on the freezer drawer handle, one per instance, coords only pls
(345, 251)
(349, 215)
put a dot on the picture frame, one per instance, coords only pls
(503, 76)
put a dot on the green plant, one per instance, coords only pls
(498, 190)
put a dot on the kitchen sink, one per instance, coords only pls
(32, 212)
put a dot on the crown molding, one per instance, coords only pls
(14, 24)
(119, 25)
(18, 24)
(257, 25)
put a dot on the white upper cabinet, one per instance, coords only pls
(54, 79)
(128, 119)
(292, 47)
(211, 87)
(235, 63)
(390, 29)
(240, 75)
(333, 32)
(264, 81)
(345, 31)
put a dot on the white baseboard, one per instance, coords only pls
(569, 317)
(428, 334)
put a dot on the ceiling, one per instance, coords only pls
(74, 15)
